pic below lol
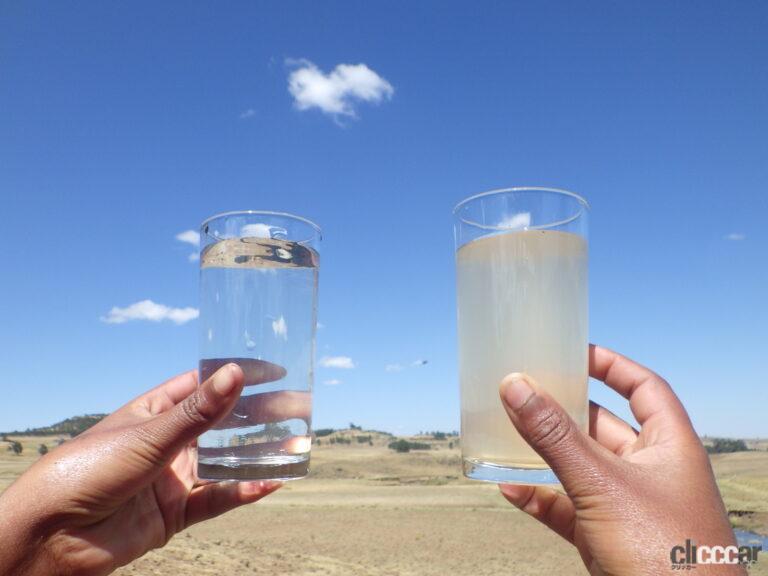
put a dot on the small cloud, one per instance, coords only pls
(150, 311)
(332, 382)
(735, 236)
(343, 362)
(280, 328)
(192, 238)
(516, 221)
(260, 231)
(320, 325)
(245, 114)
(337, 92)
(401, 367)
(189, 237)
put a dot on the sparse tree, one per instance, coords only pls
(724, 445)
(404, 445)
(16, 447)
(42, 450)
(450, 445)
(401, 446)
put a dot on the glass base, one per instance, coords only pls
(266, 469)
(487, 472)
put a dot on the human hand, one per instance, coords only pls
(128, 484)
(630, 496)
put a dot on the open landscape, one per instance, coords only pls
(368, 510)
(242, 222)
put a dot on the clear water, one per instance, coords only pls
(258, 309)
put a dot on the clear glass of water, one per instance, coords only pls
(521, 267)
(258, 309)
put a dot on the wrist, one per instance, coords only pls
(24, 549)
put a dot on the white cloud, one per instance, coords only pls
(151, 311)
(337, 92)
(332, 382)
(735, 236)
(245, 114)
(261, 231)
(320, 325)
(280, 328)
(189, 237)
(192, 238)
(344, 362)
(401, 367)
(515, 221)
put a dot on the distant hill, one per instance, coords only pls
(69, 427)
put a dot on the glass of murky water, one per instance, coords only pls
(258, 308)
(521, 265)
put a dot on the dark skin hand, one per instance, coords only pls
(128, 484)
(629, 496)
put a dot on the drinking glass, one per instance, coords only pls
(258, 309)
(521, 262)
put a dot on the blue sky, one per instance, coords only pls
(123, 125)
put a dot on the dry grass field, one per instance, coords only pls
(368, 511)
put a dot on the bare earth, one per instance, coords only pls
(368, 511)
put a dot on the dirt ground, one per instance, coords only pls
(368, 511)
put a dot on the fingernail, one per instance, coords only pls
(516, 391)
(515, 491)
(251, 487)
(224, 380)
(259, 486)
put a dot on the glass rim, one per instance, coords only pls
(314, 226)
(524, 189)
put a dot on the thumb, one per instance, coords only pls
(168, 433)
(543, 423)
